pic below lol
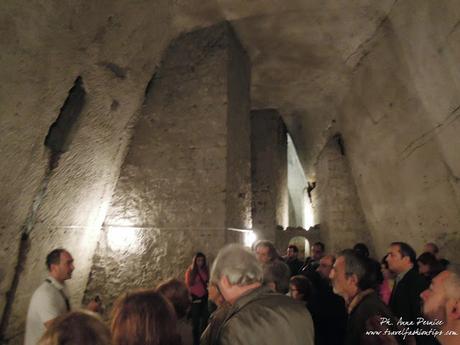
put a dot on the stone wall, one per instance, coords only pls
(269, 173)
(401, 124)
(336, 203)
(186, 176)
(45, 47)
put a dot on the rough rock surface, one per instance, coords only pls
(385, 74)
(336, 204)
(186, 176)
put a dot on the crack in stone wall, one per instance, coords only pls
(366, 46)
(57, 140)
(429, 135)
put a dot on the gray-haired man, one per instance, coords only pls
(369, 319)
(257, 314)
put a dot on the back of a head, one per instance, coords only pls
(77, 328)
(361, 249)
(434, 266)
(144, 317)
(177, 293)
(364, 268)
(238, 264)
(278, 273)
(303, 285)
(427, 258)
(432, 248)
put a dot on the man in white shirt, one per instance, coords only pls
(51, 299)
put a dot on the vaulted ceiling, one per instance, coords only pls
(303, 53)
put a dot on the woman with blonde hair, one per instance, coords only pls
(76, 328)
(144, 317)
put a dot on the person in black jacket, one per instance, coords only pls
(292, 259)
(327, 309)
(405, 301)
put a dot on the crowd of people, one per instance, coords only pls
(260, 297)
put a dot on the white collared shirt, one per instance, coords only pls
(46, 304)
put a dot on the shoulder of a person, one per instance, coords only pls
(277, 300)
(43, 292)
(374, 304)
(415, 278)
(45, 288)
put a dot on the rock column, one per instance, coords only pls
(269, 173)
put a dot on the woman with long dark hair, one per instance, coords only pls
(196, 279)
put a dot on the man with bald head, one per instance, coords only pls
(441, 302)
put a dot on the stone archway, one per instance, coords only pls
(284, 237)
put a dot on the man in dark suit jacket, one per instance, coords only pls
(405, 301)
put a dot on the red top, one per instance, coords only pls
(385, 291)
(198, 286)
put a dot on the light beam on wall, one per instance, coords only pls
(308, 217)
(297, 184)
(249, 238)
(123, 238)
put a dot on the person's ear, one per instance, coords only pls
(353, 279)
(407, 260)
(453, 310)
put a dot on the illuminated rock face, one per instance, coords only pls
(335, 200)
(384, 74)
(45, 47)
(186, 175)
